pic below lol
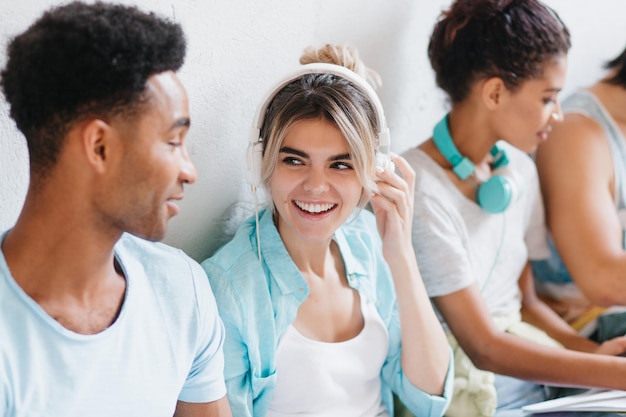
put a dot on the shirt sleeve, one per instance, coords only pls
(205, 380)
(441, 255)
(536, 237)
(416, 400)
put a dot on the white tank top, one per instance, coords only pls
(323, 379)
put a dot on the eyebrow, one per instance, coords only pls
(552, 90)
(287, 149)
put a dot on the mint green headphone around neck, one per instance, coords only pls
(493, 195)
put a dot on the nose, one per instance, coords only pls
(316, 181)
(188, 172)
(557, 115)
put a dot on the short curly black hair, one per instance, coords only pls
(81, 60)
(509, 39)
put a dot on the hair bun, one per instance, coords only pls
(343, 55)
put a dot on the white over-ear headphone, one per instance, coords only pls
(254, 151)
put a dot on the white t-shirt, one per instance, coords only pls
(165, 345)
(458, 243)
(322, 379)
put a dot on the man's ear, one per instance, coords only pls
(96, 141)
(493, 91)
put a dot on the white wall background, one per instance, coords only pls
(238, 48)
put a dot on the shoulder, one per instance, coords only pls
(154, 257)
(238, 253)
(168, 270)
(578, 145)
(430, 178)
(580, 132)
(575, 128)
(419, 161)
(234, 271)
(176, 285)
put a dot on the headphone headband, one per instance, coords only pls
(323, 68)
(461, 165)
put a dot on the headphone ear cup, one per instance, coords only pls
(384, 161)
(254, 158)
(495, 194)
(498, 192)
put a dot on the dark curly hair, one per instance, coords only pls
(509, 39)
(81, 60)
(619, 64)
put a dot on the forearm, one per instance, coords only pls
(543, 317)
(537, 313)
(425, 355)
(519, 358)
(493, 350)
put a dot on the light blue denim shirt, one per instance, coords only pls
(257, 301)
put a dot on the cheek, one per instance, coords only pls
(351, 188)
(278, 187)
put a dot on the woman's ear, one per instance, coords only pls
(493, 90)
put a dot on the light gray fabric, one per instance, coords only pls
(457, 243)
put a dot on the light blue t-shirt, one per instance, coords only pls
(259, 300)
(165, 345)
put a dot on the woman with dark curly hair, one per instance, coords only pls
(478, 212)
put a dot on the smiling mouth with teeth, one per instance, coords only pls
(314, 208)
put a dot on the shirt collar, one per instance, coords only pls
(276, 257)
(286, 274)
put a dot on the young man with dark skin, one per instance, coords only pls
(95, 318)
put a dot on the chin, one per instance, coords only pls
(531, 149)
(153, 234)
(527, 147)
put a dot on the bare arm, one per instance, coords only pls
(576, 176)
(219, 408)
(425, 353)
(536, 312)
(506, 354)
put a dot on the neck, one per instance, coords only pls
(56, 248)
(309, 256)
(470, 133)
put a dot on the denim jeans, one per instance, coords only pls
(515, 393)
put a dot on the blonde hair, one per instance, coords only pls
(333, 98)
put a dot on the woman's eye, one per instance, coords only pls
(549, 100)
(292, 161)
(341, 165)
